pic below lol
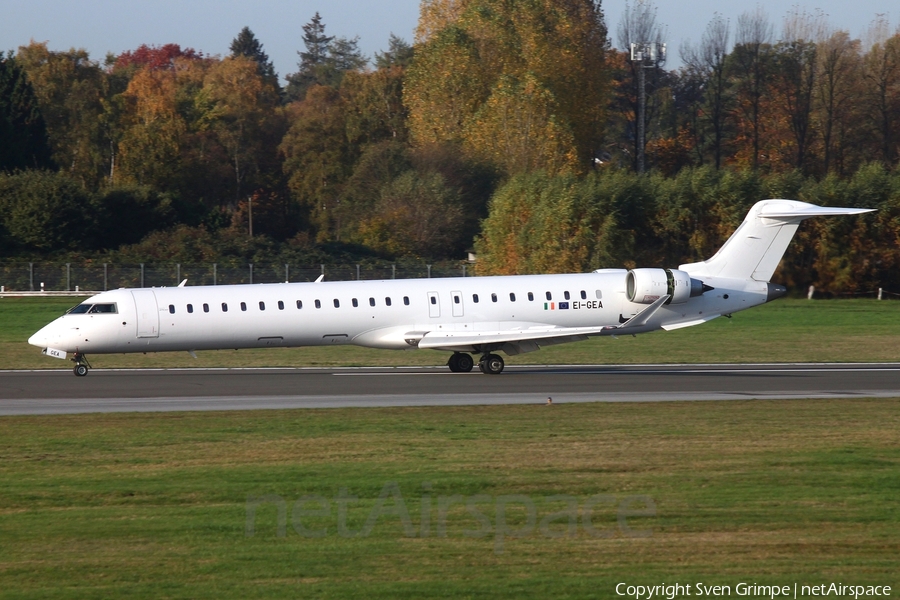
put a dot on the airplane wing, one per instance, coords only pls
(540, 335)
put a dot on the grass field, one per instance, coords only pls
(516, 501)
(783, 331)
(155, 506)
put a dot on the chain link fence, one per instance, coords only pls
(44, 276)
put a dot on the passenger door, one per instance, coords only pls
(147, 313)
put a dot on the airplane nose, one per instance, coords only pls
(39, 339)
(44, 336)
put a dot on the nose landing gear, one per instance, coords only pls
(81, 364)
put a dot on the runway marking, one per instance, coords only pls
(619, 371)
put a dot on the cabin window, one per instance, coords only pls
(243, 306)
(455, 299)
(190, 308)
(299, 304)
(583, 295)
(530, 297)
(205, 307)
(280, 305)
(433, 300)
(599, 295)
(262, 305)
(406, 300)
(566, 294)
(475, 298)
(512, 297)
(224, 307)
(80, 309)
(493, 297)
(387, 301)
(337, 303)
(355, 302)
(318, 304)
(549, 296)
(172, 309)
(371, 301)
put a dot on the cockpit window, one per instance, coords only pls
(94, 309)
(103, 308)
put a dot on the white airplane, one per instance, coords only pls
(474, 315)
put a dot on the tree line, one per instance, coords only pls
(507, 127)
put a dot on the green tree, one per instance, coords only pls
(246, 45)
(398, 54)
(45, 211)
(23, 134)
(326, 60)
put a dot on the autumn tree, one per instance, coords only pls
(70, 89)
(23, 133)
(750, 69)
(416, 215)
(242, 106)
(151, 145)
(706, 63)
(836, 88)
(318, 157)
(881, 73)
(522, 86)
(795, 76)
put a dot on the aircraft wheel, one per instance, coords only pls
(491, 364)
(464, 362)
(80, 370)
(453, 363)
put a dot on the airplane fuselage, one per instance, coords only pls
(391, 314)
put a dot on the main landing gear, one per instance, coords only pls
(81, 364)
(490, 364)
(460, 362)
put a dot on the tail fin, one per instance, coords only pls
(755, 248)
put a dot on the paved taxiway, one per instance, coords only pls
(146, 390)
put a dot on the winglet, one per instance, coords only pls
(320, 278)
(183, 282)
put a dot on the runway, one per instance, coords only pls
(154, 390)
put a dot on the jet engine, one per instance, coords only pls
(646, 286)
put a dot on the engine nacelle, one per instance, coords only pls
(646, 286)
